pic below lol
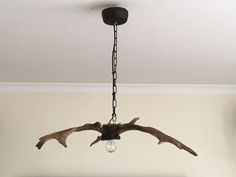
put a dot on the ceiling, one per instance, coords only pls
(163, 42)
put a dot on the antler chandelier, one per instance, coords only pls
(111, 131)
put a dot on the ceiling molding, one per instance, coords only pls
(126, 88)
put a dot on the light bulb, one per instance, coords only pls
(110, 146)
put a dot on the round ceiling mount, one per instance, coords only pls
(114, 15)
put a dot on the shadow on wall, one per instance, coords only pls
(109, 176)
(229, 120)
(85, 7)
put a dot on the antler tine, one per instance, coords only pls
(134, 120)
(96, 141)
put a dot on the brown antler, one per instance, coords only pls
(99, 138)
(61, 136)
(112, 131)
(158, 134)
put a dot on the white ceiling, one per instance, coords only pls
(164, 42)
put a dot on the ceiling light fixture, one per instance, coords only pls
(111, 131)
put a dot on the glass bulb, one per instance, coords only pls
(110, 146)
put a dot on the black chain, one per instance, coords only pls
(114, 76)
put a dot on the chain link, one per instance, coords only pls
(114, 76)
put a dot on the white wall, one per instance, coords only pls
(205, 122)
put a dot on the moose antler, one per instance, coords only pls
(113, 131)
(162, 137)
(61, 136)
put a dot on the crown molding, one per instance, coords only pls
(126, 88)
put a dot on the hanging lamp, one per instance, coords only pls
(111, 131)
